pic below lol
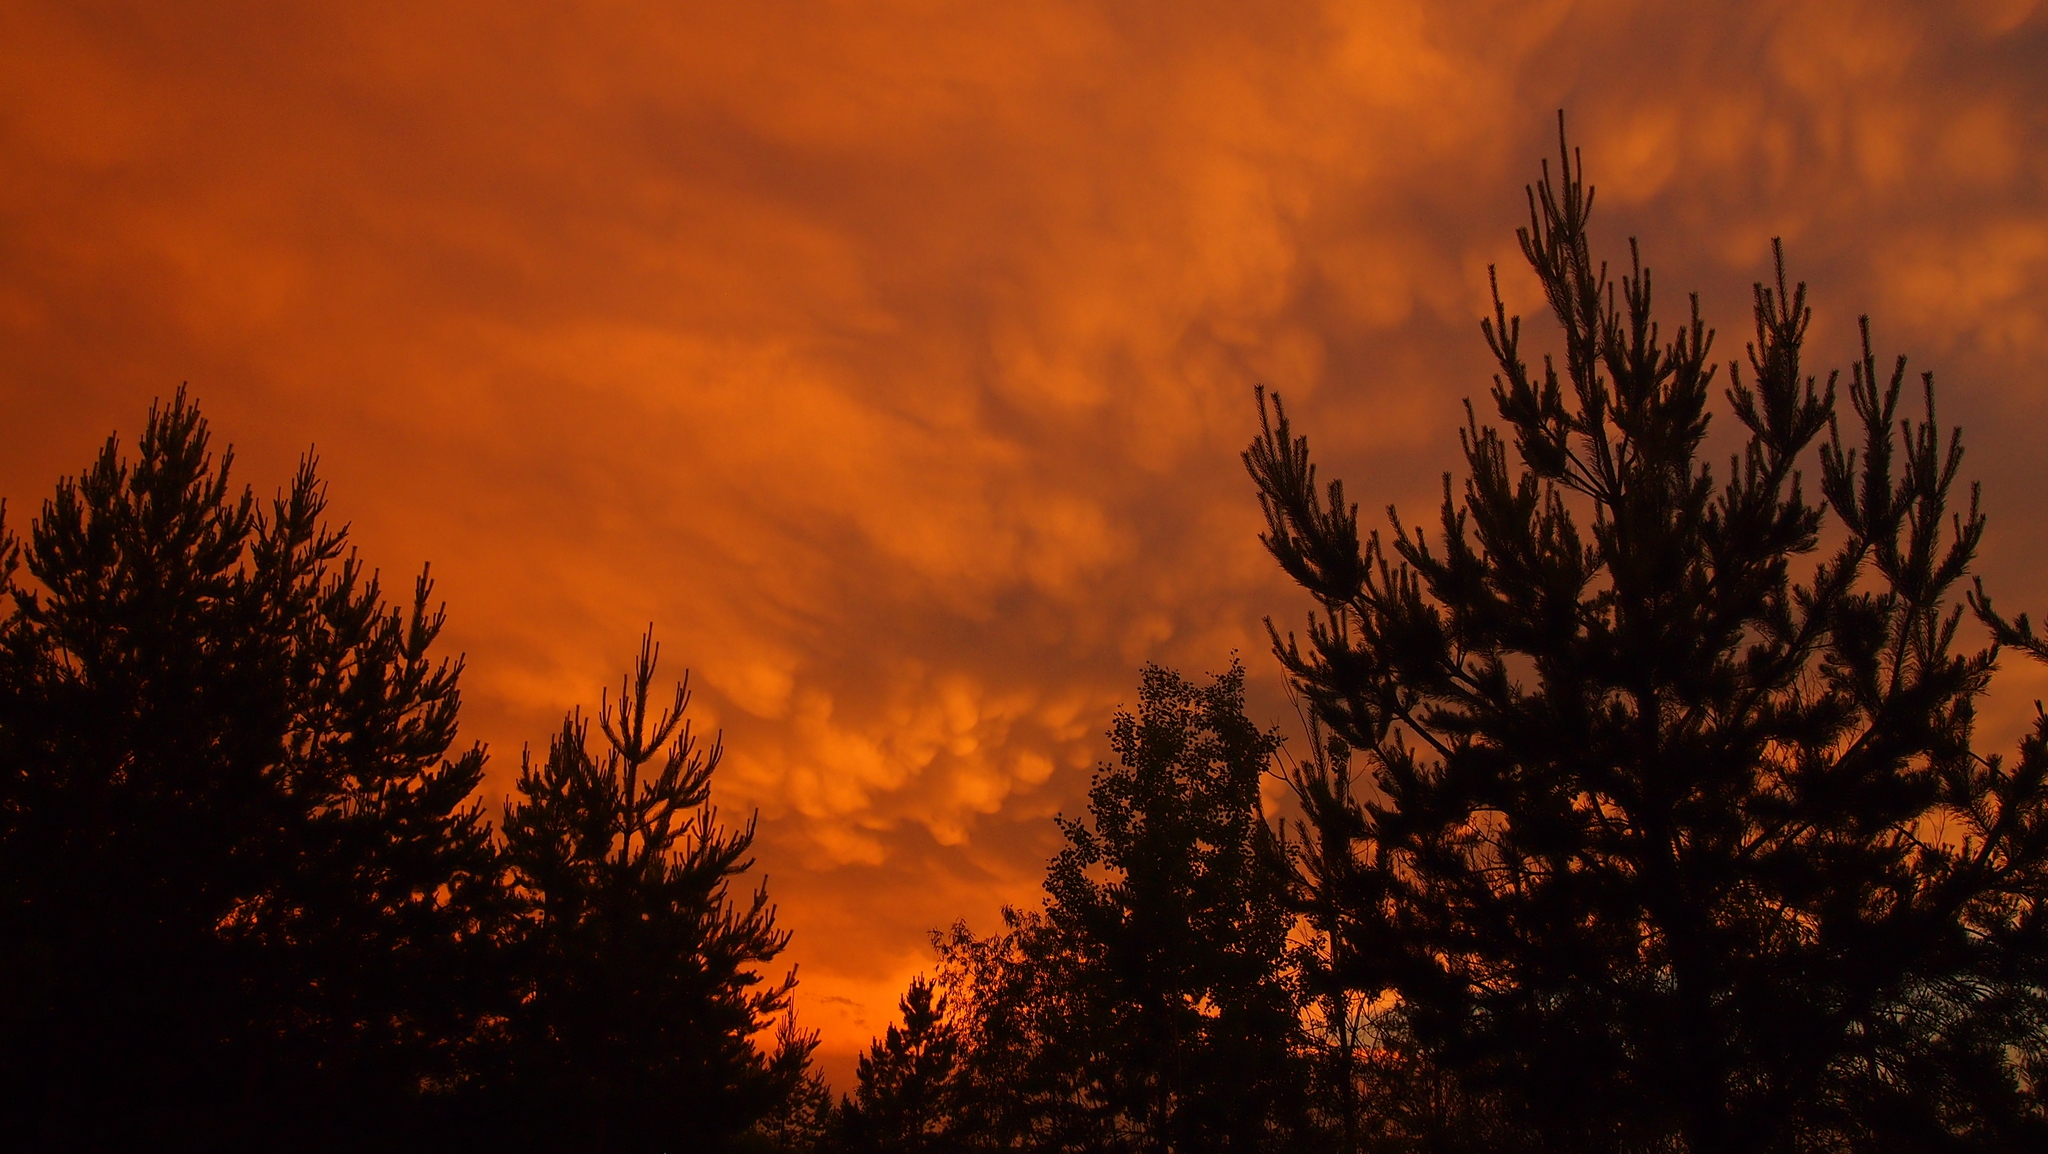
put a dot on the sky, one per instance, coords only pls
(892, 359)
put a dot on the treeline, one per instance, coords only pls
(1640, 808)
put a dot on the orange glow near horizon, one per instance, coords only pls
(894, 358)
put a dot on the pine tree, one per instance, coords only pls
(806, 1119)
(639, 996)
(904, 1101)
(1664, 844)
(241, 879)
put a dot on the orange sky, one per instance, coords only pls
(893, 358)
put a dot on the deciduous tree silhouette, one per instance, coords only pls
(1150, 1005)
(639, 993)
(241, 880)
(1665, 846)
(1180, 924)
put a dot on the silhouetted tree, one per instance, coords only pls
(1373, 1089)
(1663, 848)
(639, 996)
(1150, 1006)
(905, 1099)
(239, 881)
(805, 1121)
(1180, 924)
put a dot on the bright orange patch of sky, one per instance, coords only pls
(893, 358)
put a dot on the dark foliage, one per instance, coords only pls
(803, 1122)
(1149, 1006)
(908, 1095)
(637, 993)
(1672, 832)
(242, 884)
(246, 902)
(1664, 845)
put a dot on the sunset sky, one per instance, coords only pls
(893, 359)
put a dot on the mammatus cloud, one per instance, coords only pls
(894, 358)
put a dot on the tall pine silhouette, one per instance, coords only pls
(639, 991)
(242, 882)
(1671, 832)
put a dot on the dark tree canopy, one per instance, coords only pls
(638, 991)
(1150, 1005)
(248, 902)
(241, 879)
(908, 1096)
(1644, 811)
(1179, 923)
(1672, 834)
